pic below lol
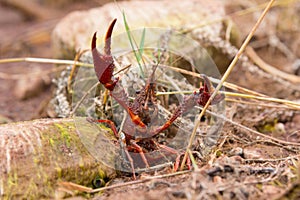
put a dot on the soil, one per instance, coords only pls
(242, 166)
(22, 35)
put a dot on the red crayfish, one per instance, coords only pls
(137, 135)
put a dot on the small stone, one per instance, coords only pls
(252, 153)
(237, 151)
(217, 179)
(280, 128)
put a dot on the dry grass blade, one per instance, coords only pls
(225, 84)
(69, 186)
(290, 104)
(140, 181)
(74, 67)
(72, 186)
(226, 74)
(286, 103)
(45, 60)
(39, 60)
(255, 103)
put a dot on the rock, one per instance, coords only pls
(252, 153)
(36, 155)
(31, 86)
(4, 120)
(75, 31)
(237, 151)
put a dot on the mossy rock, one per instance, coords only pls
(37, 155)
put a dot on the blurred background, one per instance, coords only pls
(25, 31)
(26, 28)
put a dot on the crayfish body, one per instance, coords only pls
(137, 136)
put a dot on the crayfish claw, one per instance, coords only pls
(207, 84)
(207, 90)
(104, 63)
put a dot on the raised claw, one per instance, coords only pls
(104, 68)
(104, 63)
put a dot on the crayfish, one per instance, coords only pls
(138, 134)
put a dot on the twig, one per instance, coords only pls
(270, 69)
(292, 104)
(140, 181)
(272, 160)
(286, 147)
(270, 105)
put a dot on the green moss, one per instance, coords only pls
(12, 180)
(31, 190)
(51, 142)
(219, 153)
(59, 171)
(65, 133)
(259, 186)
(268, 127)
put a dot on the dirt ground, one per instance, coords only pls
(242, 166)
(27, 33)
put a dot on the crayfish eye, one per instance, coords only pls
(138, 92)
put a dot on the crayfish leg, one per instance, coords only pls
(177, 160)
(138, 148)
(106, 121)
(131, 162)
